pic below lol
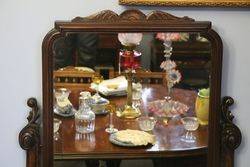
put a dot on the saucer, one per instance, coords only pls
(71, 114)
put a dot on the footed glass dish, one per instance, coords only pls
(167, 108)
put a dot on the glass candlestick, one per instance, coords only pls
(97, 79)
(111, 108)
(130, 111)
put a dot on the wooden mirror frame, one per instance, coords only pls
(226, 136)
(185, 3)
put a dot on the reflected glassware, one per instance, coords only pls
(111, 108)
(130, 59)
(97, 79)
(63, 105)
(146, 123)
(137, 95)
(84, 94)
(85, 142)
(190, 124)
(84, 117)
(56, 127)
(202, 106)
(168, 109)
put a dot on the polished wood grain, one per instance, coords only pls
(72, 145)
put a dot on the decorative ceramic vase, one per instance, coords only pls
(202, 108)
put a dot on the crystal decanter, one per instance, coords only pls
(84, 117)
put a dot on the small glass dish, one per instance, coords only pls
(146, 123)
(190, 124)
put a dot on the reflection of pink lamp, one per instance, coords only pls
(129, 61)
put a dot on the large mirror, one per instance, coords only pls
(132, 86)
(171, 81)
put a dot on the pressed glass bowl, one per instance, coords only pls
(164, 108)
(146, 123)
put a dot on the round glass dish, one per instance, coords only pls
(146, 123)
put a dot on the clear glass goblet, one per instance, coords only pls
(111, 108)
(97, 79)
(190, 124)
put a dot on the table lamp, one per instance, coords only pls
(129, 62)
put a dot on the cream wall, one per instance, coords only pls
(23, 24)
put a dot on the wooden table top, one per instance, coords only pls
(96, 145)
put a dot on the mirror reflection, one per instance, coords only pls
(146, 91)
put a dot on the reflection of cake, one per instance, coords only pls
(115, 86)
(135, 137)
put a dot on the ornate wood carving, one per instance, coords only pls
(231, 135)
(131, 15)
(182, 3)
(29, 137)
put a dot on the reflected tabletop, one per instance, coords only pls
(72, 145)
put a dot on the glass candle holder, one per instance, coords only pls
(129, 59)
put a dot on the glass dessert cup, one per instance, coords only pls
(190, 124)
(146, 123)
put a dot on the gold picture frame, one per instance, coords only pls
(186, 3)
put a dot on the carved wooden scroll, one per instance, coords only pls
(231, 135)
(29, 137)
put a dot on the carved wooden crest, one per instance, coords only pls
(134, 15)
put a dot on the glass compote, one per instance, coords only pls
(97, 79)
(111, 108)
(190, 124)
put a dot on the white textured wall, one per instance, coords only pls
(23, 24)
